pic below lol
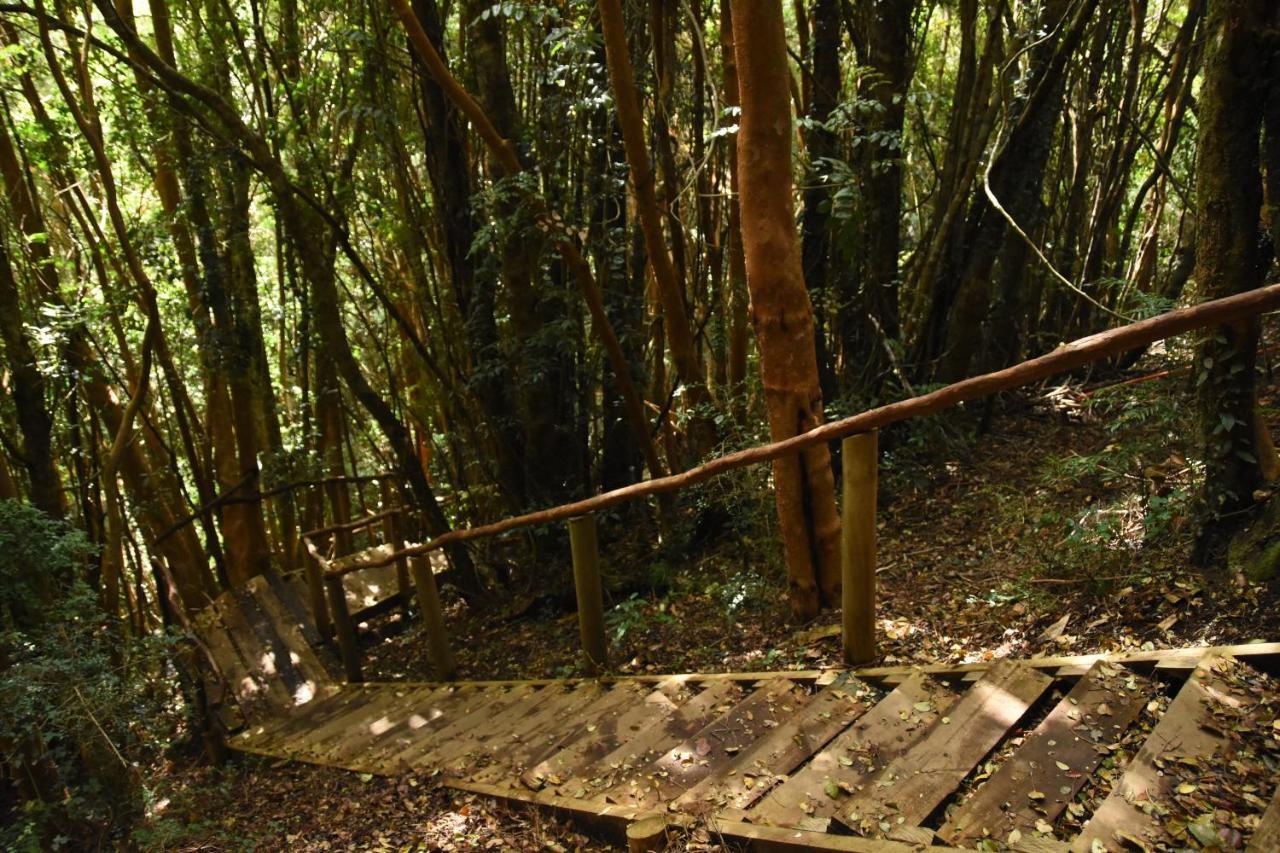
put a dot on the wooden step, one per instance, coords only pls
(630, 757)
(1181, 734)
(712, 747)
(915, 783)
(848, 762)
(1055, 760)
(454, 730)
(603, 735)
(753, 771)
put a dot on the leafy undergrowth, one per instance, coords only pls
(1066, 529)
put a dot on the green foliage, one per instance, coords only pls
(635, 614)
(71, 691)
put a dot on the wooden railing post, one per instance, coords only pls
(433, 618)
(315, 589)
(344, 629)
(859, 456)
(393, 534)
(586, 582)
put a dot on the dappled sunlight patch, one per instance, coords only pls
(305, 693)
(268, 663)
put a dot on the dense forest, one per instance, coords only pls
(267, 267)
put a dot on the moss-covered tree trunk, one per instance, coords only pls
(1229, 260)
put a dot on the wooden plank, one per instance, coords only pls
(1265, 656)
(781, 750)
(880, 735)
(284, 735)
(558, 727)
(515, 737)
(292, 634)
(285, 653)
(274, 733)
(1179, 734)
(712, 747)
(1266, 837)
(498, 708)
(612, 819)
(554, 739)
(232, 668)
(911, 786)
(270, 691)
(291, 590)
(437, 721)
(357, 747)
(649, 743)
(601, 736)
(323, 744)
(1057, 759)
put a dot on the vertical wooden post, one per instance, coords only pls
(859, 458)
(586, 582)
(433, 618)
(344, 629)
(393, 535)
(315, 589)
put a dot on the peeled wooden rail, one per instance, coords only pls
(859, 519)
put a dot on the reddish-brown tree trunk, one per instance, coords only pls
(780, 308)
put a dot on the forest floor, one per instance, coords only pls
(1065, 529)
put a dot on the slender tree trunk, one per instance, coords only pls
(737, 272)
(667, 278)
(28, 384)
(780, 308)
(823, 148)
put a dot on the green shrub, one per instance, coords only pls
(76, 698)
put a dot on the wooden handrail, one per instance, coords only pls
(1066, 357)
(355, 525)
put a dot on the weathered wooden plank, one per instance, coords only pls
(291, 632)
(781, 750)
(1266, 837)
(1179, 734)
(649, 743)
(1056, 760)
(243, 685)
(281, 728)
(432, 720)
(275, 653)
(911, 786)
(470, 733)
(454, 728)
(599, 737)
(325, 744)
(510, 725)
(356, 749)
(514, 767)
(504, 755)
(892, 726)
(259, 660)
(711, 747)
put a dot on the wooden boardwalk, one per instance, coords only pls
(874, 759)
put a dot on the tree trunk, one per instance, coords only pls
(34, 420)
(1229, 261)
(823, 148)
(780, 308)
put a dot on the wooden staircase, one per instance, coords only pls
(873, 759)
